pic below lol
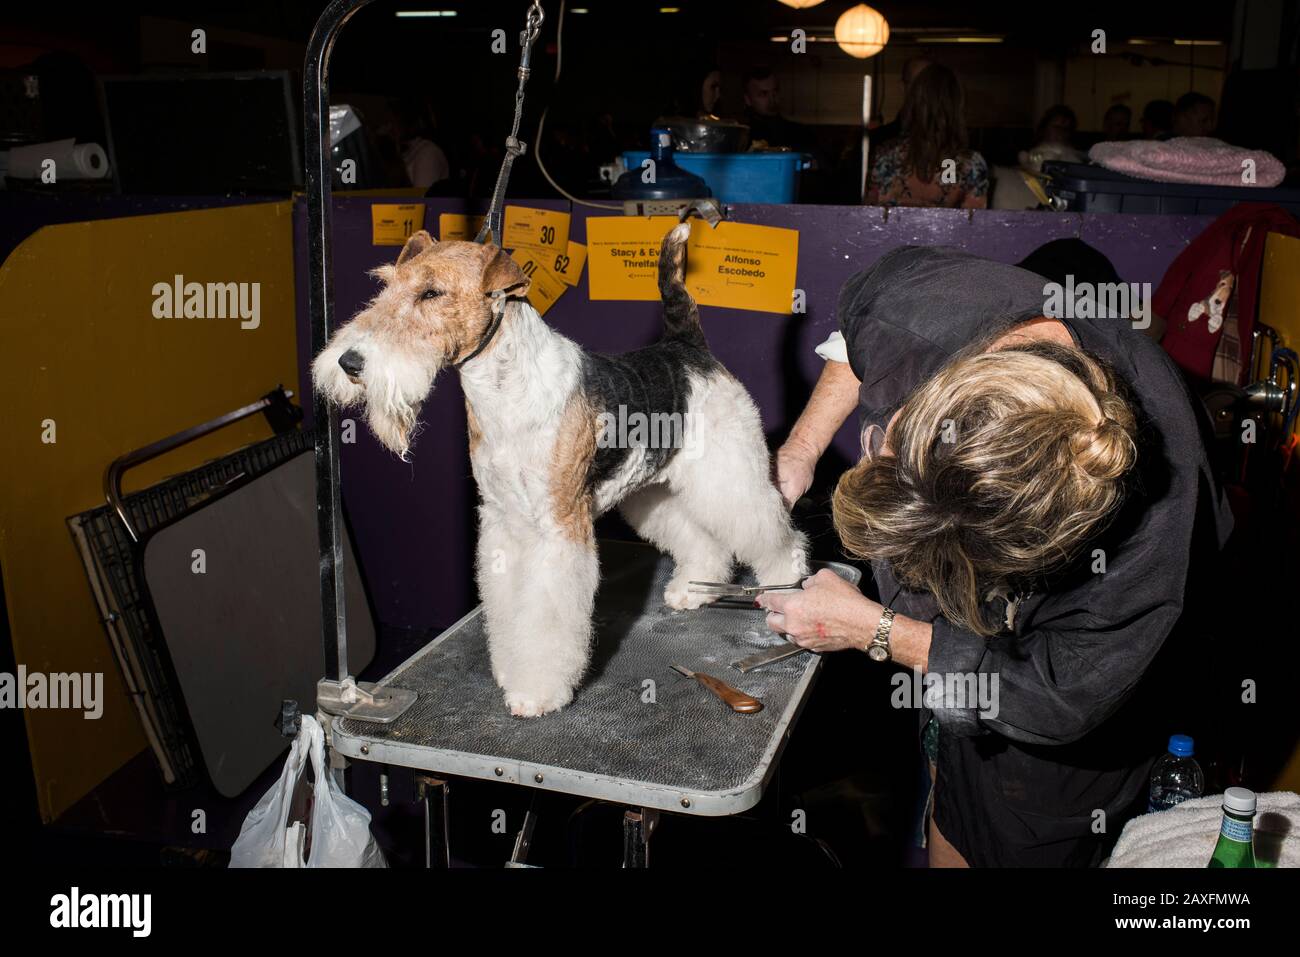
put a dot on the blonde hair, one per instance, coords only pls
(998, 470)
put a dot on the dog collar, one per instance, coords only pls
(497, 315)
(493, 326)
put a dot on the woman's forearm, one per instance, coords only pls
(834, 397)
(909, 643)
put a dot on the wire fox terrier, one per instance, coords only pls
(547, 457)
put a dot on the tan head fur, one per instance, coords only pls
(437, 303)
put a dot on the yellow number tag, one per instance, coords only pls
(545, 288)
(391, 224)
(567, 266)
(546, 230)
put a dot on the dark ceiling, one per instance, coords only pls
(1028, 23)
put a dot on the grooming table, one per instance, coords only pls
(680, 749)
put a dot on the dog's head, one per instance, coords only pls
(1222, 291)
(438, 302)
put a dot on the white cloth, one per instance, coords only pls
(834, 348)
(425, 162)
(1185, 835)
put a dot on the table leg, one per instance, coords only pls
(435, 794)
(638, 825)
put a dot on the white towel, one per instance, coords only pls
(834, 349)
(1185, 835)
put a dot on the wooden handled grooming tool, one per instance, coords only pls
(736, 700)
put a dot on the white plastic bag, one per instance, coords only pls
(340, 827)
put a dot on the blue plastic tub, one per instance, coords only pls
(740, 177)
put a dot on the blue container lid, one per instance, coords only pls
(1181, 745)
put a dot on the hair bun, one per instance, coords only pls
(1104, 451)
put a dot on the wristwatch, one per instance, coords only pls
(878, 650)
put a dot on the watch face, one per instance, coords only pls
(878, 653)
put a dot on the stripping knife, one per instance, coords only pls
(734, 699)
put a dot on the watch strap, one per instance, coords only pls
(879, 649)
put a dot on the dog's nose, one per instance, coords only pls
(351, 362)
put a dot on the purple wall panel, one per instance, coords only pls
(413, 523)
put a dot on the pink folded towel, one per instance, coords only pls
(1189, 159)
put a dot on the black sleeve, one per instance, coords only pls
(905, 315)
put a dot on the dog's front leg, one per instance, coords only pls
(538, 591)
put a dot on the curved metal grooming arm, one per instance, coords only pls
(338, 692)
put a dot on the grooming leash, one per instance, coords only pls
(514, 146)
(491, 228)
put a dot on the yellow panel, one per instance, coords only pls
(1279, 307)
(1279, 293)
(83, 348)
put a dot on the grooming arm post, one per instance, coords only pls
(320, 299)
(337, 692)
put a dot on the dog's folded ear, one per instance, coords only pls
(502, 275)
(417, 244)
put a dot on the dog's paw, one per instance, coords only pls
(678, 595)
(534, 705)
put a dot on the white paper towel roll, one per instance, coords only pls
(71, 161)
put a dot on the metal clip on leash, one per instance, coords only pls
(514, 146)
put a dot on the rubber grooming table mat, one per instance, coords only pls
(685, 752)
(245, 635)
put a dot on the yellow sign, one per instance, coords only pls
(736, 265)
(392, 224)
(623, 252)
(568, 266)
(542, 229)
(742, 266)
(458, 226)
(544, 288)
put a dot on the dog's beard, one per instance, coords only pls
(392, 389)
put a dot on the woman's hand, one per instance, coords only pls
(794, 471)
(829, 614)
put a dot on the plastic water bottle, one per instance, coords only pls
(1176, 777)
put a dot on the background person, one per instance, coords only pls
(763, 113)
(930, 164)
(424, 160)
(1057, 126)
(1194, 115)
(1115, 124)
(883, 135)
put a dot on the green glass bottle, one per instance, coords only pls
(1236, 834)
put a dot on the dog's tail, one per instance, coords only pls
(681, 315)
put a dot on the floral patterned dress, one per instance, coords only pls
(963, 185)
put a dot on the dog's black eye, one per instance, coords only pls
(431, 294)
